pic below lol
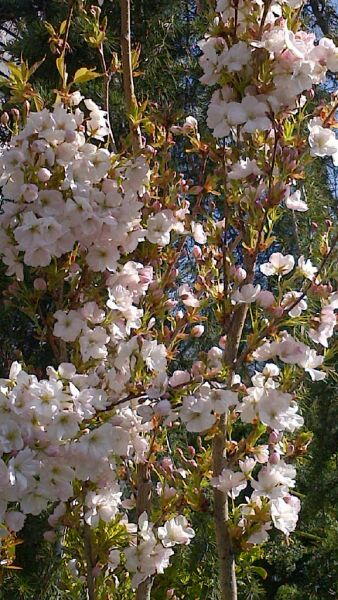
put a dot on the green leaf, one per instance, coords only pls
(61, 67)
(63, 26)
(82, 75)
(260, 571)
(50, 28)
(34, 67)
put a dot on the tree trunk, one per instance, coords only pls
(227, 574)
(143, 501)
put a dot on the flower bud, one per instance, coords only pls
(167, 464)
(4, 118)
(277, 311)
(290, 449)
(273, 437)
(44, 174)
(197, 252)
(238, 273)
(50, 536)
(40, 284)
(15, 114)
(96, 571)
(27, 108)
(170, 304)
(222, 342)
(274, 458)
(198, 368)
(197, 331)
(265, 298)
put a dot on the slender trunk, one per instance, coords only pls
(143, 500)
(106, 89)
(226, 558)
(127, 69)
(227, 575)
(88, 549)
(143, 479)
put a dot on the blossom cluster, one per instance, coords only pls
(295, 60)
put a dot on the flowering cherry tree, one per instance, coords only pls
(93, 231)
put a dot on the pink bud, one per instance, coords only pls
(74, 268)
(4, 118)
(171, 303)
(273, 437)
(40, 284)
(44, 175)
(197, 252)
(197, 331)
(96, 571)
(239, 274)
(50, 536)
(15, 114)
(222, 342)
(198, 368)
(277, 311)
(191, 450)
(274, 458)
(265, 298)
(167, 464)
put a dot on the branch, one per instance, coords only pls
(88, 550)
(248, 347)
(106, 86)
(226, 558)
(68, 23)
(143, 500)
(127, 69)
(319, 16)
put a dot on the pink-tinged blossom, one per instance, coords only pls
(198, 233)
(294, 202)
(274, 481)
(322, 140)
(278, 264)
(230, 482)
(265, 299)
(187, 296)
(196, 413)
(244, 168)
(261, 534)
(246, 294)
(284, 513)
(297, 298)
(68, 325)
(175, 531)
(306, 268)
(179, 378)
(310, 362)
(159, 227)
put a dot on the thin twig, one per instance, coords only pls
(127, 69)
(88, 548)
(250, 347)
(106, 87)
